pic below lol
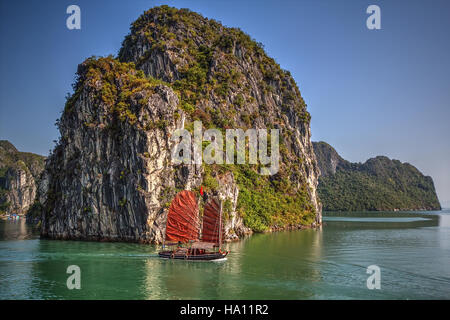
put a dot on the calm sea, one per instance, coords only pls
(412, 250)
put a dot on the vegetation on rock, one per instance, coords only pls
(113, 83)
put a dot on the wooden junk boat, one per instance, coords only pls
(183, 227)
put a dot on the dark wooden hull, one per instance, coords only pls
(209, 256)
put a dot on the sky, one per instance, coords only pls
(369, 92)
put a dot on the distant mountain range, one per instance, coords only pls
(378, 184)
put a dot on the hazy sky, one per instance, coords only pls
(370, 92)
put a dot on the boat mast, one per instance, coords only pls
(220, 226)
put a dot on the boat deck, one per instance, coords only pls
(180, 255)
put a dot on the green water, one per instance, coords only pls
(412, 250)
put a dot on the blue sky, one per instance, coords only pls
(370, 92)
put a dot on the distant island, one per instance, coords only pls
(19, 173)
(379, 184)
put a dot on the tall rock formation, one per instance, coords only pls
(111, 175)
(19, 173)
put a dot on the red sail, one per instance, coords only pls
(211, 222)
(182, 219)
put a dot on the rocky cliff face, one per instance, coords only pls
(19, 173)
(111, 176)
(378, 184)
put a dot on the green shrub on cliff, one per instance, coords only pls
(262, 201)
(115, 84)
(262, 204)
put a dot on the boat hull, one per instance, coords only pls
(190, 257)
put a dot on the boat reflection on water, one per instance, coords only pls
(178, 279)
